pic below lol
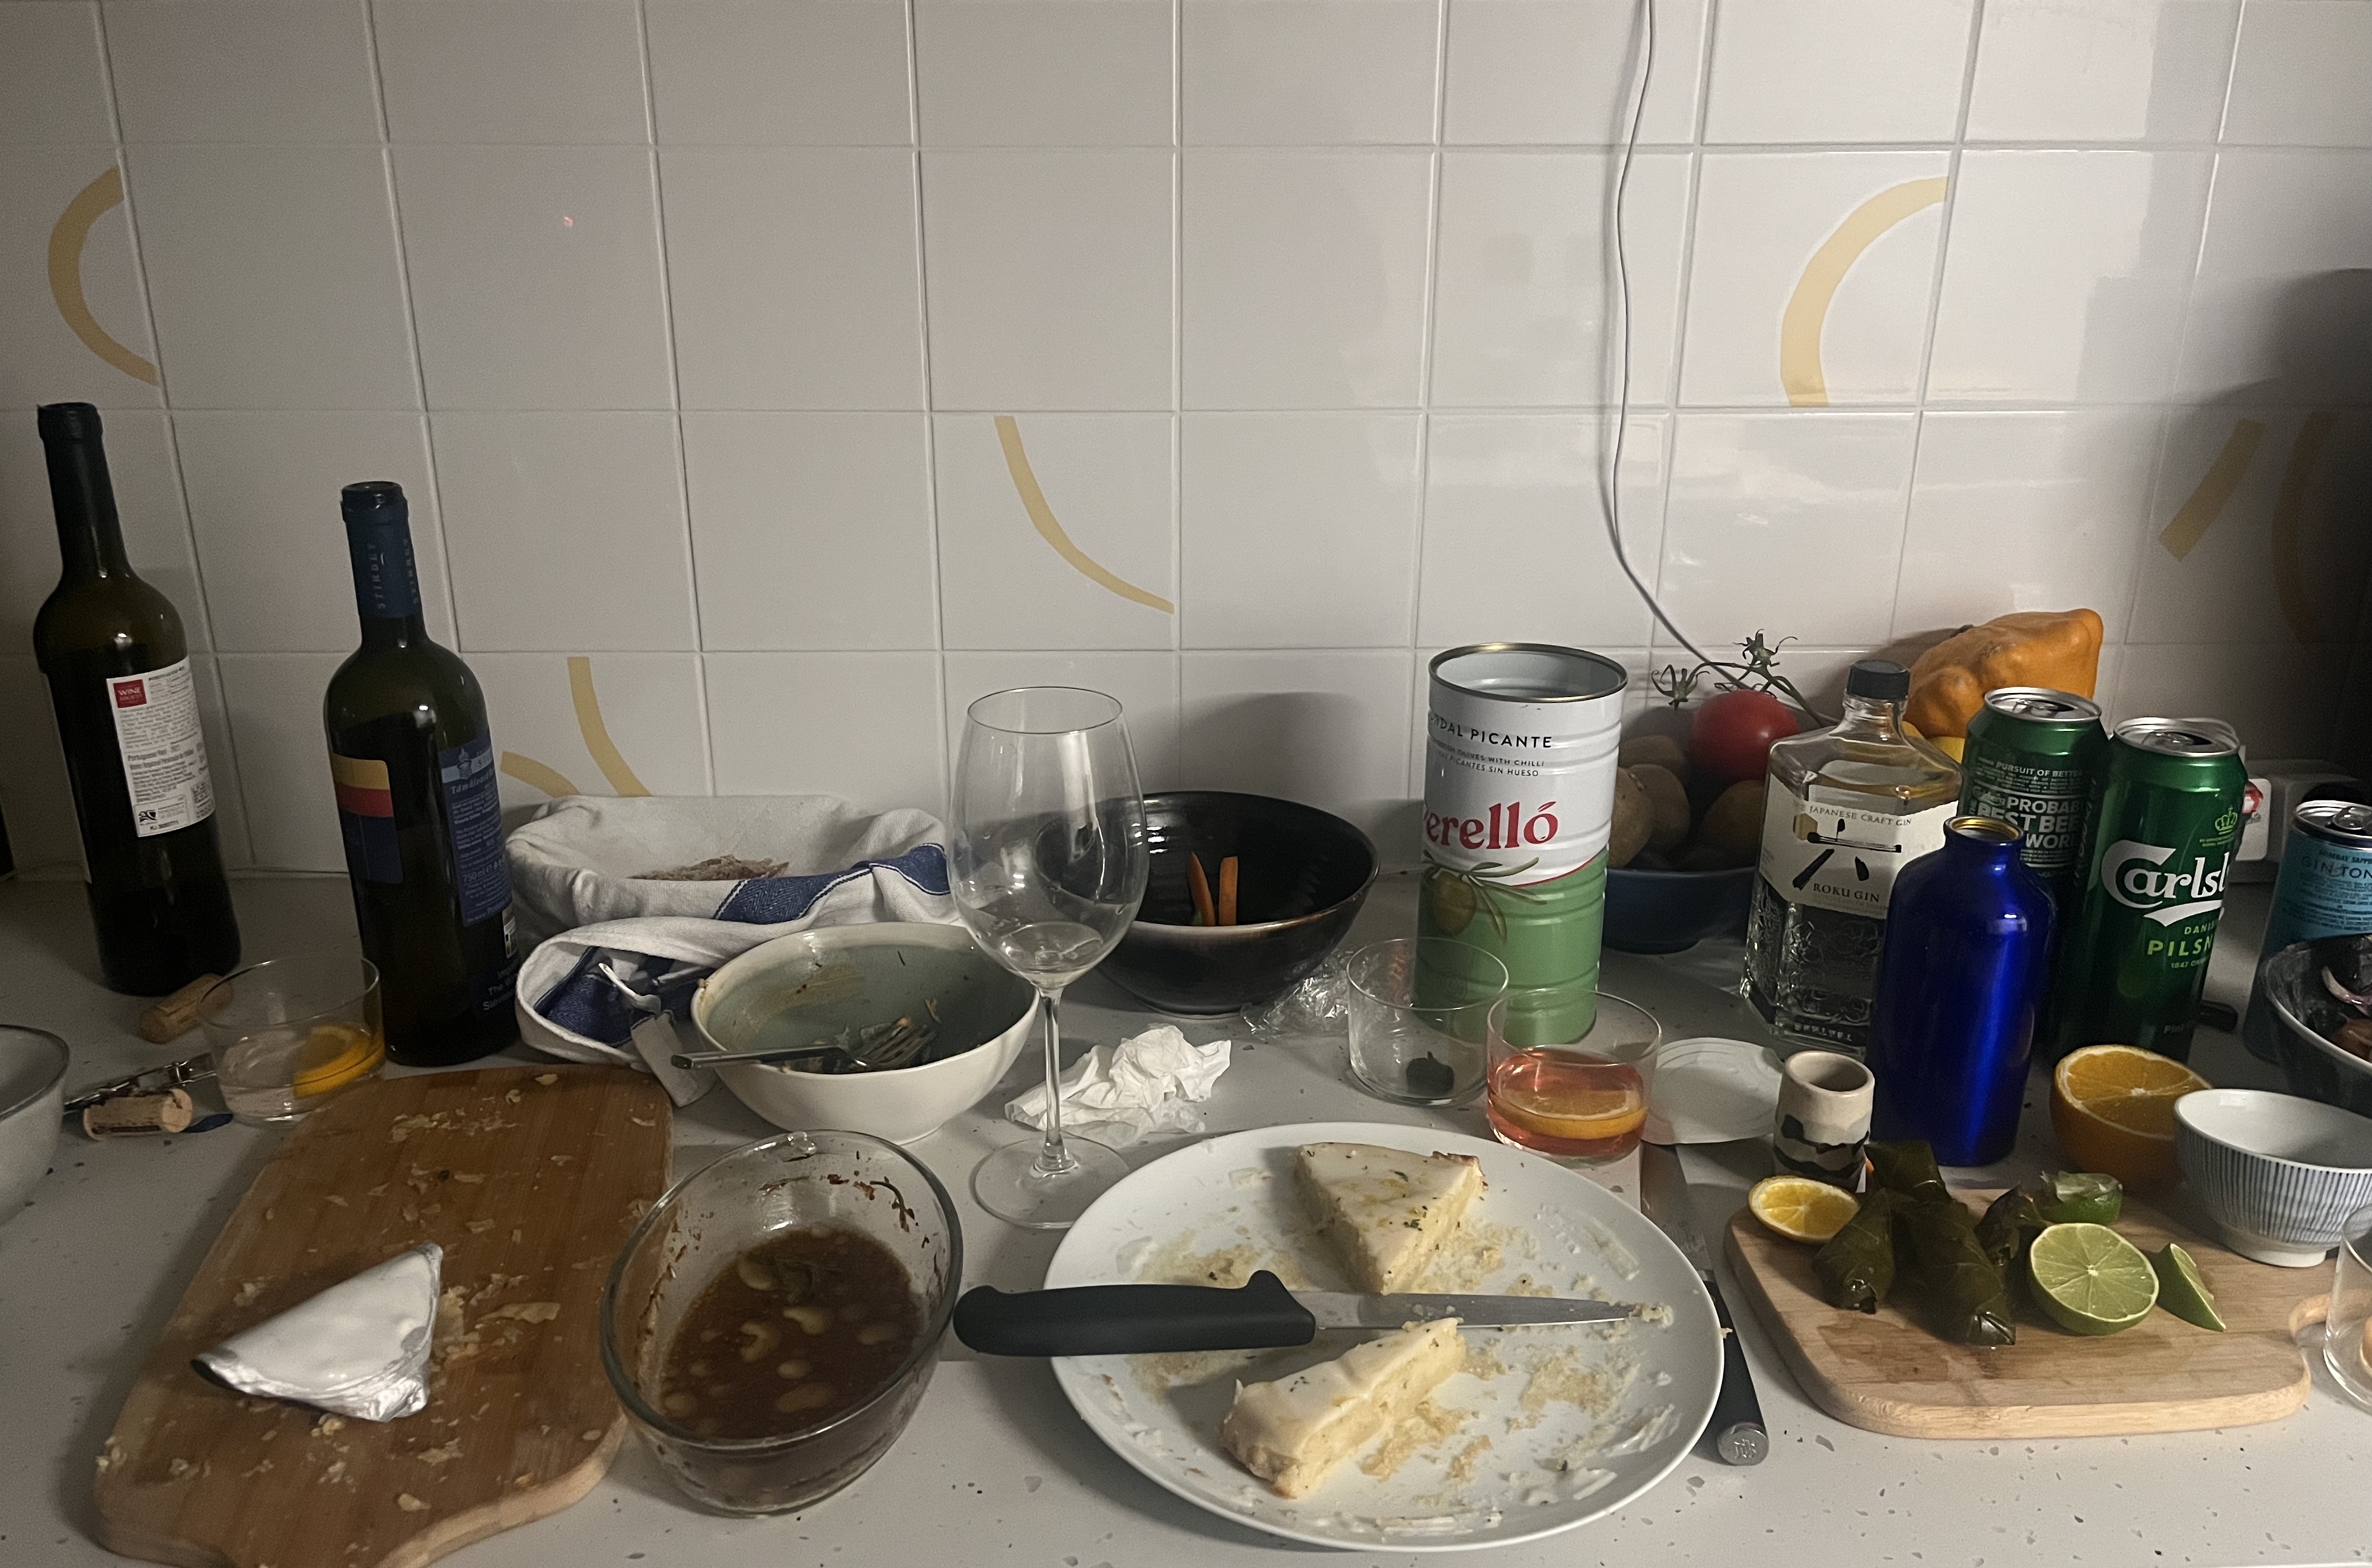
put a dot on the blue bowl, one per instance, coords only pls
(1669, 912)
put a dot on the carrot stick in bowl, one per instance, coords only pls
(1227, 876)
(1199, 886)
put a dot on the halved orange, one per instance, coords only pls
(2112, 1111)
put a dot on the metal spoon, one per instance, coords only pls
(874, 1049)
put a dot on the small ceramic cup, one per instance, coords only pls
(1823, 1124)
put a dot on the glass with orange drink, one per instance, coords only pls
(1580, 1100)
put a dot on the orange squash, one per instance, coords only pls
(2060, 649)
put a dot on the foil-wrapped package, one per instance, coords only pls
(360, 1348)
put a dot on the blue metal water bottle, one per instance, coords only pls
(1967, 943)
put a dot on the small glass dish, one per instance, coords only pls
(698, 1230)
(288, 1034)
(1417, 1008)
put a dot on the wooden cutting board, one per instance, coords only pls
(529, 1178)
(1886, 1372)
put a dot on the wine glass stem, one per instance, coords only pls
(1053, 1157)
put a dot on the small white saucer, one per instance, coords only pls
(1711, 1091)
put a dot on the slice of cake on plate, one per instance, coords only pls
(1386, 1212)
(1291, 1432)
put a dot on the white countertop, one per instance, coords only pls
(995, 1469)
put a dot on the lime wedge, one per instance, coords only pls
(2089, 1279)
(2080, 1197)
(2181, 1290)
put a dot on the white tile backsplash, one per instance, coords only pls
(1297, 531)
(512, 70)
(566, 531)
(2095, 316)
(1314, 73)
(1305, 278)
(1048, 279)
(1837, 70)
(828, 73)
(795, 275)
(273, 276)
(1567, 71)
(1043, 73)
(53, 80)
(2101, 70)
(1523, 236)
(810, 531)
(262, 491)
(714, 424)
(243, 70)
(2299, 77)
(515, 253)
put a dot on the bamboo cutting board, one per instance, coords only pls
(1887, 1374)
(529, 1178)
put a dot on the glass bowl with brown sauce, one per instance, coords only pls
(771, 1323)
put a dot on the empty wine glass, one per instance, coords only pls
(1051, 860)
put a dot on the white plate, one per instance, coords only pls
(1227, 1206)
(1711, 1091)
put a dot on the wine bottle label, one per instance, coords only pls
(163, 747)
(1832, 856)
(474, 807)
(367, 818)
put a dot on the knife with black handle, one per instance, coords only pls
(1736, 1430)
(1142, 1320)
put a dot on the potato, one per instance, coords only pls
(1648, 860)
(1634, 818)
(1712, 857)
(1733, 823)
(1663, 751)
(1669, 802)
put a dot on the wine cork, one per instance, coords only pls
(132, 1116)
(176, 1015)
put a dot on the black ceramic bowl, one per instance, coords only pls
(1668, 912)
(2305, 1012)
(1302, 873)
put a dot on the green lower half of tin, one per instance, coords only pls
(1548, 933)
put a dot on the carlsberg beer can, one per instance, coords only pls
(2165, 821)
(1521, 745)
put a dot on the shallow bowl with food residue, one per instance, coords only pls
(701, 1228)
(1304, 873)
(816, 986)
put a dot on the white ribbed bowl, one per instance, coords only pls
(2279, 1175)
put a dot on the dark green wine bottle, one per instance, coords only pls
(414, 768)
(127, 705)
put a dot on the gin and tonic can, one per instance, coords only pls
(2158, 847)
(2324, 890)
(1519, 757)
(2029, 761)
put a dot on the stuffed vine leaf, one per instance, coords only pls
(1908, 1167)
(1855, 1267)
(1962, 1294)
(2009, 1228)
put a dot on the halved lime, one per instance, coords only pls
(2181, 1290)
(2089, 1279)
(2080, 1197)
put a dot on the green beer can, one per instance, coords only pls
(2165, 821)
(2029, 761)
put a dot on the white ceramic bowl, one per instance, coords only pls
(33, 1093)
(2279, 1175)
(736, 1007)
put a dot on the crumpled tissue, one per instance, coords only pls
(360, 1348)
(1143, 1086)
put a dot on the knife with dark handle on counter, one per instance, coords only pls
(1125, 1319)
(1737, 1427)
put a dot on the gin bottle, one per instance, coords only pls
(1845, 808)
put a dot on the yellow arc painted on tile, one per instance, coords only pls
(605, 752)
(535, 775)
(1042, 518)
(67, 242)
(2289, 522)
(1807, 315)
(2214, 492)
